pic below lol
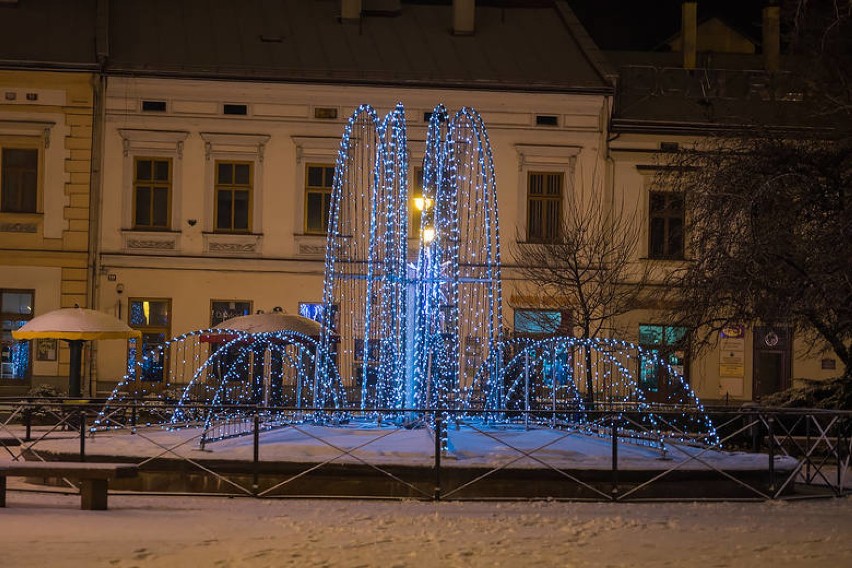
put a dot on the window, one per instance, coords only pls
(221, 310)
(154, 106)
(318, 184)
(665, 225)
(235, 109)
(316, 312)
(231, 362)
(16, 309)
(546, 120)
(152, 317)
(547, 322)
(311, 310)
(19, 180)
(325, 112)
(544, 206)
(233, 196)
(152, 190)
(666, 342)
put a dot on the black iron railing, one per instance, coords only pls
(754, 453)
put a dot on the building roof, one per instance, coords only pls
(649, 25)
(48, 34)
(529, 46)
(727, 90)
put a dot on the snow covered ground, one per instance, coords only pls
(49, 530)
(44, 527)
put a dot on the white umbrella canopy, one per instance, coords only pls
(270, 322)
(75, 324)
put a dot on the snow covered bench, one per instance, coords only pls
(94, 477)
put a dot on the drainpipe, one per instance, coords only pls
(464, 16)
(95, 179)
(689, 32)
(771, 36)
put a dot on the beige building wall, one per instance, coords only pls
(634, 158)
(47, 251)
(277, 264)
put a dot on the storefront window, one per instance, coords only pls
(16, 309)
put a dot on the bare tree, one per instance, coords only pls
(819, 41)
(769, 214)
(588, 268)
(770, 226)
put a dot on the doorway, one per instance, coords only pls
(773, 356)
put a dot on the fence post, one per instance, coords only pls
(82, 435)
(614, 431)
(28, 421)
(755, 432)
(839, 450)
(256, 464)
(808, 419)
(438, 425)
(771, 451)
(526, 390)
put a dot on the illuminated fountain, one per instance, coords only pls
(406, 330)
(411, 332)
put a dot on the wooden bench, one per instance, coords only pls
(94, 477)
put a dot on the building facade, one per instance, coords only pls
(45, 161)
(213, 138)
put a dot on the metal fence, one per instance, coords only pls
(761, 453)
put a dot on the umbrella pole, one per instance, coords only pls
(76, 363)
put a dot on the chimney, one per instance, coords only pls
(689, 32)
(771, 36)
(350, 10)
(463, 16)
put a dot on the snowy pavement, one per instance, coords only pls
(49, 529)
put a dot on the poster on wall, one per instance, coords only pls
(45, 350)
(731, 360)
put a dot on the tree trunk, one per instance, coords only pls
(590, 383)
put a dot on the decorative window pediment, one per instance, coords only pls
(40, 128)
(546, 155)
(219, 142)
(135, 140)
(315, 148)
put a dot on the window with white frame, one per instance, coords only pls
(233, 196)
(666, 211)
(319, 179)
(544, 206)
(19, 178)
(152, 193)
(313, 180)
(152, 178)
(32, 171)
(545, 179)
(235, 180)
